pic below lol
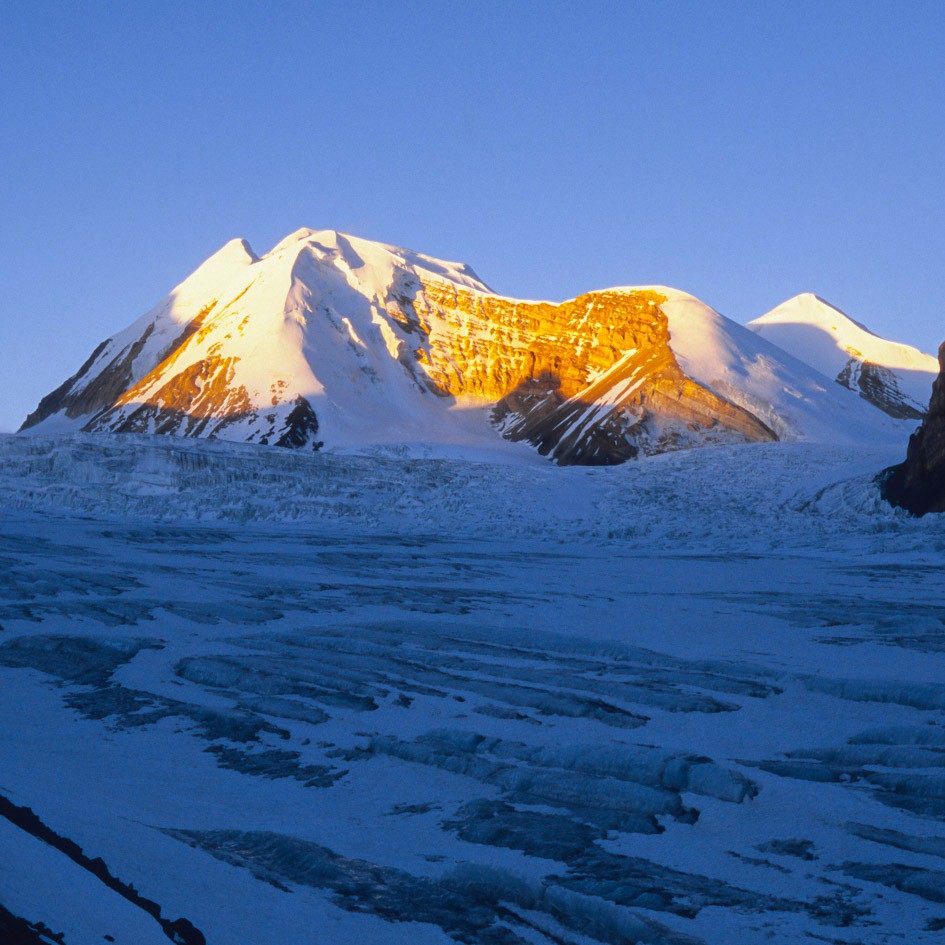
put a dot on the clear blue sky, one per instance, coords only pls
(741, 151)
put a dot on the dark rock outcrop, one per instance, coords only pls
(301, 427)
(918, 484)
(180, 931)
(879, 386)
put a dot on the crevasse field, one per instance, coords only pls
(248, 696)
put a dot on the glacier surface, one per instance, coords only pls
(248, 695)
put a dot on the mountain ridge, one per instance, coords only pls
(332, 340)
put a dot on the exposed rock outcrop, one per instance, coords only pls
(918, 484)
(880, 387)
(592, 381)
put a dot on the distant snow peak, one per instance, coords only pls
(329, 340)
(894, 377)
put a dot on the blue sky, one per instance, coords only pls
(744, 152)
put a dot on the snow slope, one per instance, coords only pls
(787, 394)
(333, 341)
(794, 494)
(896, 377)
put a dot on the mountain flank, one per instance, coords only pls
(331, 341)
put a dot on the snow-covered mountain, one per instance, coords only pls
(895, 377)
(330, 340)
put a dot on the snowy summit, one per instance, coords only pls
(330, 341)
(895, 377)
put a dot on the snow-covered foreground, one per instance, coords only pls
(362, 699)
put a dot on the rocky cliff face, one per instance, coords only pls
(918, 484)
(880, 386)
(592, 381)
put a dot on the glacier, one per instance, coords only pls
(256, 695)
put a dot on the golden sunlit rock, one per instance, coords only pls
(581, 380)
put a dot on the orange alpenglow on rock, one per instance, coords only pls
(333, 341)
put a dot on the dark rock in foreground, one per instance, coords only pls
(918, 484)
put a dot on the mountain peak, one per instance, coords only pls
(236, 251)
(230, 259)
(302, 235)
(893, 376)
(809, 309)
